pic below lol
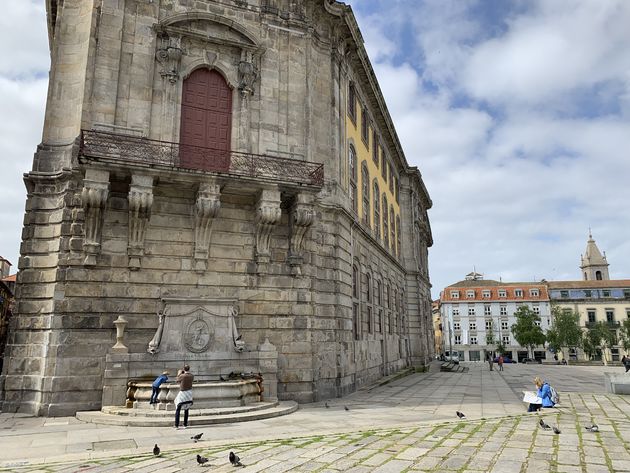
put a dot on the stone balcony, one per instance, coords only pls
(128, 151)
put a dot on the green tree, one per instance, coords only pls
(490, 337)
(589, 345)
(501, 348)
(602, 337)
(526, 332)
(566, 332)
(624, 335)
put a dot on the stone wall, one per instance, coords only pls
(104, 239)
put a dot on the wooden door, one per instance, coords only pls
(206, 122)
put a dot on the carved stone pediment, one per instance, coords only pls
(209, 27)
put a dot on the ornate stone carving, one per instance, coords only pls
(247, 75)
(169, 55)
(140, 202)
(301, 217)
(93, 197)
(206, 208)
(267, 215)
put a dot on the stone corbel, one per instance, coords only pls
(301, 217)
(247, 74)
(169, 55)
(140, 202)
(93, 197)
(206, 209)
(267, 216)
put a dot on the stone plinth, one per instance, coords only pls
(617, 383)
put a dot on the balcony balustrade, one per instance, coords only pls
(133, 150)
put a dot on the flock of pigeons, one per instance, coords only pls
(201, 461)
(544, 425)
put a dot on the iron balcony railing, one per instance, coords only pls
(118, 148)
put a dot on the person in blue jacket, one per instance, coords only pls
(544, 393)
(156, 387)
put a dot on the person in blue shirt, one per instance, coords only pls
(156, 387)
(544, 393)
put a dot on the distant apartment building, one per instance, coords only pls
(478, 314)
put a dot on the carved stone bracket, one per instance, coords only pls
(140, 202)
(93, 197)
(301, 217)
(267, 215)
(206, 209)
(169, 55)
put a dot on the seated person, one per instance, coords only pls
(544, 393)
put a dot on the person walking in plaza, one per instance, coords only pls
(544, 393)
(156, 387)
(184, 399)
(490, 360)
(625, 361)
(500, 362)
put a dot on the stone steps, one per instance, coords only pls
(115, 415)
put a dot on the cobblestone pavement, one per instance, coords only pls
(506, 440)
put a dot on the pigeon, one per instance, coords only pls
(197, 437)
(235, 460)
(544, 425)
(346, 408)
(592, 428)
(460, 415)
(326, 404)
(201, 460)
(556, 430)
(156, 450)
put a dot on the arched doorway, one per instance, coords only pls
(206, 122)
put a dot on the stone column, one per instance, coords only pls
(140, 202)
(301, 217)
(69, 55)
(206, 209)
(268, 214)
(94, 198)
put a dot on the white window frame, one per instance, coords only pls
(518, 293)
(502, 310)
(485, 294)
(534, 292)
(502, 293)
(473, 340)
(454, 294)
(457, 339)
(470, 294)
(473, 325)
(471, 312)
(488, 324)
(536, 309)
(504, 325)
(505, 339)
(487, 309)
(455, 310)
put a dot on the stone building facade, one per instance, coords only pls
(200, 152)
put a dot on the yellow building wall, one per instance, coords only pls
(365, 153)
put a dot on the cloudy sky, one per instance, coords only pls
(517, 113)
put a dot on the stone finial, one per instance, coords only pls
(93, 197)
(268, 214)
(140, 202)
(206, 209)
(120, 324)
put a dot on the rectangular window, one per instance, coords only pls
(626, 293)
(588, 293)
(470, 294)
(454, 294)
(564, 294)
(455, 310)
(487, 309)
(383, 166)
(610, 315)
(534, 292)
(502, 293)
(471, 311)
(606, 293)
(397, 191)
(365, 128)
(456, 326)
(504, 325)
(352, 103)
(370, 325)
(375, 148)
(485, 294)
(473, 325)
(488, 324)
(502, 309)
(355, 321)
(505, 339)
(536, 310)
(537, 323)
(391, 179)
(473, 340)
(518, 293)
(591, 316)
(458, 339)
